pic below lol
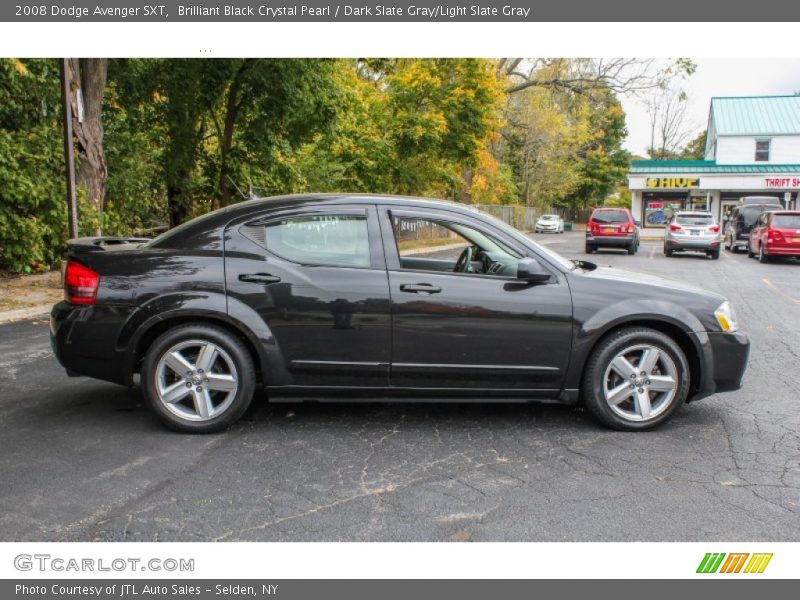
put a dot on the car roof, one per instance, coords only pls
(252, 207)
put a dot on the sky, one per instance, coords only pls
(716, 77)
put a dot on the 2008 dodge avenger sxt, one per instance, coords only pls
(324, 297)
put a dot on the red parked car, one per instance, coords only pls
(613, 227)
(775, 233)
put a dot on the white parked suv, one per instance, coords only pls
(695, 231)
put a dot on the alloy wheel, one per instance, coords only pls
(640, 382)
(196, 380)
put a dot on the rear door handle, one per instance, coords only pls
(259, 278)
(417, 288)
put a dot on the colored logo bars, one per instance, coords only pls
(713, 562)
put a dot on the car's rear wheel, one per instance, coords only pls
(590, 248)
(763, 257)
(714, 254)
(635, 379)
(632, 248)
(667, 252)
(198, 378)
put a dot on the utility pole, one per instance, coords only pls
(69, 150)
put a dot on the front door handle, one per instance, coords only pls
(259, 278)
(418, 288)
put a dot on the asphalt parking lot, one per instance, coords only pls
(82, 460)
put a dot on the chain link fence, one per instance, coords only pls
(524, 217)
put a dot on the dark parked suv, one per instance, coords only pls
(324, 297)
(742, 218)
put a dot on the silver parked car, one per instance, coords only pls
(693, 230)
(549, 224)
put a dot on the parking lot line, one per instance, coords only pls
(779, 290)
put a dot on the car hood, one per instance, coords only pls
(633, 278)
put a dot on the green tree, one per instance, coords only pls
(604, 163)
(696, 148)
(32, 205)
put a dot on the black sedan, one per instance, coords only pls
(326, 297)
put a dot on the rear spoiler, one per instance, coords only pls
(100, 244)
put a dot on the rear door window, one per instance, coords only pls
(330, 239)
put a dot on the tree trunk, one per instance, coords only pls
(178, 203)
(232, 107)
(466, 195)
(88, 78)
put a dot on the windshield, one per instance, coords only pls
(610, 216)
(786, 221)
(549, 217)
(514, 232)
(694, 220)
(751, 213)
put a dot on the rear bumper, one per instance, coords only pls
(784, 250)
(610, 240)
(692, 244)
(726, 363)
(83, 339)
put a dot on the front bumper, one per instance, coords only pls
(726, 363)
(610, 240)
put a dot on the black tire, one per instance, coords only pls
(750, 253)
(632, 248)
(606, 350)
(236, 352)
(763, 257)
(590, 248)
(667, 252)
(714, 254)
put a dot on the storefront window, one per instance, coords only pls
(658, 211)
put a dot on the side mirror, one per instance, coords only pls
(531, 271)
(637, 223)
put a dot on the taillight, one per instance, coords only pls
(80, 283)
(714, 228)
(774, 236)
(675, 227)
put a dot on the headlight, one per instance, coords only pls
(726, 317)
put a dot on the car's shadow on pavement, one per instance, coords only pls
(108, 408)
(690, 255)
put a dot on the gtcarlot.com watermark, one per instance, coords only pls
(46, 563)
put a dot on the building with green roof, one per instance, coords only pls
(752, 148)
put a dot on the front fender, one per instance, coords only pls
(633, 311)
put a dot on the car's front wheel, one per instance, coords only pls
(198, 378)
(635, 379)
